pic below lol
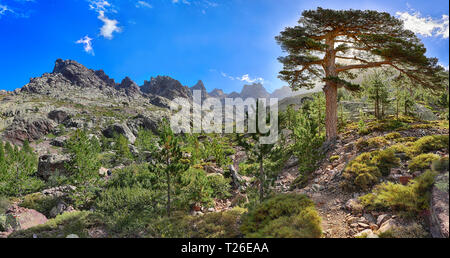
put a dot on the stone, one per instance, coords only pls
(387, 225)
(368, 233)
(60, 208)
(103, 171)
(354, 206)
(19, 218)
(29, 129)
(52, 164)
(58, 116)
(370, 218)
(72, 236)
(382, 218)
(122, 129)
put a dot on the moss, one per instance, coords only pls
(422, 162)
(371, 143)
(365, 170)
(406, 139)
(68, 223)
(408, 199)
(283, 216)
(392, 136)
(431, 143)
(334, 158)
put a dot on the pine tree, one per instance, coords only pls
(324, 39)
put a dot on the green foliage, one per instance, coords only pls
(375, 87)
(371, 143)
(408, 199)
(136, 176)
(125, 211)
(223, 224)
(220, 186)
(17, 170)
(431, 143)
(196, 187)
(392, 136)
(334, 158)
(366, 169)
(84, 151)
(284, 216)
(123, 153)
(422, 162)
(39, 202)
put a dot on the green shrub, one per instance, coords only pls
(392, 136)
(375, 142)
(125, 211)
(431, 143)
(422, 162)
(135, 176)
(283, 216)
(220, 186)
(39, 202)
(385, 160)
(406, 199)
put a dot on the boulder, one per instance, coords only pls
(119, 129)
(424, 113)
(29, 129)
(59, 191)
(368, 233)
(52, 164)
(388, 225)
(19, 218)
(58, 116)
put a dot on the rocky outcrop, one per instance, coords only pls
(149, 121)
(218, 93)
(58, 116)
(19, 218)
(29, 129)
(440, 207)
(129, 87)
(255, 90)
(282, 93)
(201, 87)
(52, 164)
(119, 129)
(166, 87)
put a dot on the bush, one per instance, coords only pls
(283, 216)
(220, 186)
(371, 143)
(409, 200)
(39, 202)
(126, 210)
(385, 160)
(392, 136)
(422, 162)
(431, 143)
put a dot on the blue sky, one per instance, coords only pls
(225, 43)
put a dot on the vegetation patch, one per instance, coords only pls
(408, 199)
(422, 162)
(283, 216)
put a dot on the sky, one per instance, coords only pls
(224, 43)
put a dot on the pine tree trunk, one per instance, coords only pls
(331, 117)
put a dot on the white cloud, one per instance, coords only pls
(99, 5)
(145, 4)
(425, 26)
(109, 26)
(4, 9)
(243, 78)
(87, 44)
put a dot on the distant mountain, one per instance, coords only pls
(255, 90)
(201, 87)
(283, 92)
